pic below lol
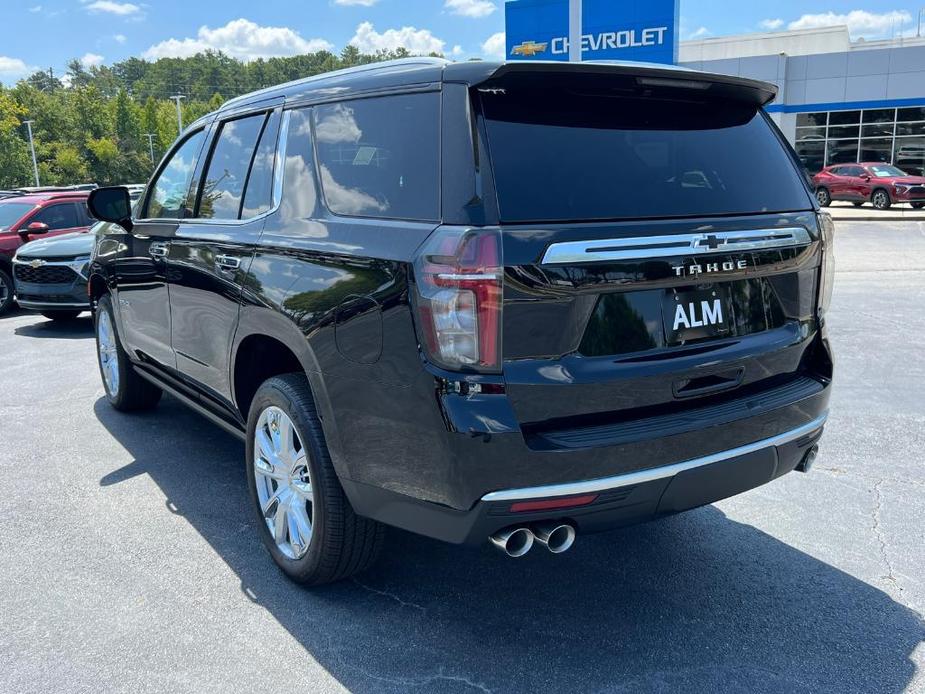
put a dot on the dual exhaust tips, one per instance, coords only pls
(516, 541)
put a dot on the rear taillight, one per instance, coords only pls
(827, 271)
(458, 281)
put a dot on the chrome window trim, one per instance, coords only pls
(665, 246)
(651, 474)
(281, 143)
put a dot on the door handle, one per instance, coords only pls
(158, 250)
(227, 262)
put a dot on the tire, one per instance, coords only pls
(918, 205)
(824, 197)
(60, 315)
(125, 389)
(881, 199)
(337, 543)
(6, 291)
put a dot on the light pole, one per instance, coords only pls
(177, 98)
(574, 31)
(35, 165)
(150, 137)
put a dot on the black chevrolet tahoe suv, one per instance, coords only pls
(477, 301)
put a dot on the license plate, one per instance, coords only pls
(695, 314)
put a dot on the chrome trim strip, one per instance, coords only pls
(40, 305)
(657, 473)
(640, 247)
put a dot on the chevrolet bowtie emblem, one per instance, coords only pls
(528, 48)
(35, 264)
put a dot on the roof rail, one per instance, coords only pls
(356, 69)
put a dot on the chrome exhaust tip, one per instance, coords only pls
(556, 537)
(514, 542)
(808, 459)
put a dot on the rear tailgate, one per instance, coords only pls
(697, 305)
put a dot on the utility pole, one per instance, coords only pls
(574, 31)
(35, 165)
(177, 98)
(150, 137)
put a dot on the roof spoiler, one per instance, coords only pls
(647, 74)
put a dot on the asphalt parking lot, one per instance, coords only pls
(128, 561)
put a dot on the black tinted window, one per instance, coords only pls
(258, 196)
(379, 157)
(223, 185)
(60, 216)
(170, 190)
(300, 194)
(574, 155)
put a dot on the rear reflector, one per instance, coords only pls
(548, 504)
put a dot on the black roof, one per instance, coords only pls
(411, 72)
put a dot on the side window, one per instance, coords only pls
(223, 185)
(60, 216)
(379, 157)
(258, 195)
(169, 191)
(300, 194)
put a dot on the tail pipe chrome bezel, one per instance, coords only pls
(555, 536)
(514, 541)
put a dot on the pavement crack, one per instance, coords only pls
(881, 538)
(386, 594)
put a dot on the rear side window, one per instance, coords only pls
(169, 191)
(379, 157)
(223, 185)
(583, 153)
(258, 195)
(60, 216)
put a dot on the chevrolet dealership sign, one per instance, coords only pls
(645, 30)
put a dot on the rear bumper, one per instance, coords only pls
(619, 500)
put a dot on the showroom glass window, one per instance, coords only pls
(379, 157)
(886, 135)
(169, 192)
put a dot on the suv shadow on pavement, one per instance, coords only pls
(76, 329)
(695, 602)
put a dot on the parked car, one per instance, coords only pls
(881, 184)
(50, 274)
(24, 217)
(477, 301)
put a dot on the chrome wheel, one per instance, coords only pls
(109, 353)
(822, 195)
(880, 200)
(284, 487)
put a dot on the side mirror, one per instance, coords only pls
(111, 205)
(866, 177)
(34, 229)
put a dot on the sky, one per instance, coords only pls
(48, 33)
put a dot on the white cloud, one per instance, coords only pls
(36, 8)
(699, 33)
(91, 60)
(457, 51)
(495, 46)
(123, 9)
(860, 23)
(470, 8)
(771, 24)
(363, 3)
(13, 67)
(239, 38)
(420, 41)
(119, 38)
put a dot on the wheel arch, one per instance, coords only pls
(268, 344)
(886, 190)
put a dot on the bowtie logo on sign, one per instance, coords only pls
(644, 30)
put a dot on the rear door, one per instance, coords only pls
(211, 252)
(660, 249)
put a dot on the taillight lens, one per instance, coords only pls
(458, 285)
(827, 272)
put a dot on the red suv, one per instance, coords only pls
(24, 216)
(882, 184)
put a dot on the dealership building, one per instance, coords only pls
(840, 100)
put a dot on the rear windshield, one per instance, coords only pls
(566, 156)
